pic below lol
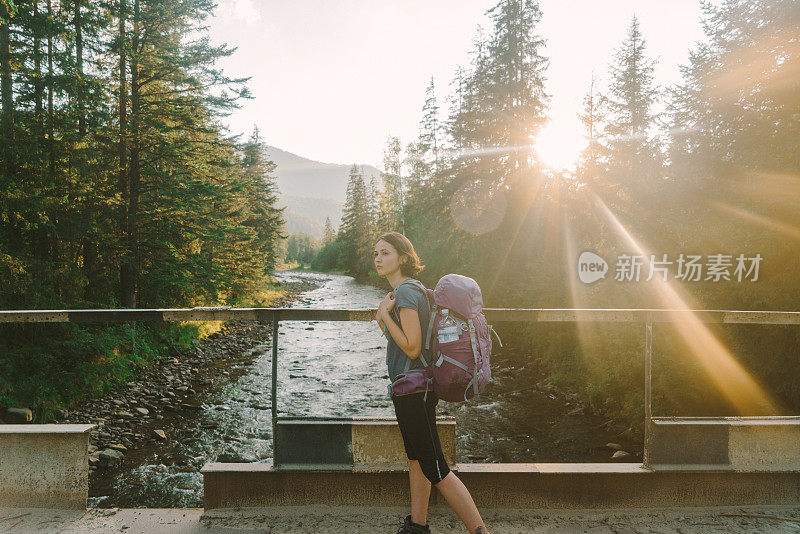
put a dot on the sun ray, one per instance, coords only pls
(730, 378)
(534, 196)
(770, 223)
(586, 329)
(765, 188)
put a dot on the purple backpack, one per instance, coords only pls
(460, 351)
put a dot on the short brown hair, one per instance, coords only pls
(405, 249)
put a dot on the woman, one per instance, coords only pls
(396, 260)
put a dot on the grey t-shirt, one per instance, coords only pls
(407, 295)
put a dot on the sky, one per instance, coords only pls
(333, 80)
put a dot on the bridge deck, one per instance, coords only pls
(495, 486)
(370, 519)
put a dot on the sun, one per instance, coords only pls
(559, 144)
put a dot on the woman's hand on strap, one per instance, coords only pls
(385, 307)
(379, 317)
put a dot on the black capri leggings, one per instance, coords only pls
(417, 420)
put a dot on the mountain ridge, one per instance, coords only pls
(303, 177)
(311, 190)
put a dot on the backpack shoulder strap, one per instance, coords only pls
(432, 318)
(413, 282)
(418, 285)
(431, 310)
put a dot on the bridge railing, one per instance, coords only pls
(645, 317)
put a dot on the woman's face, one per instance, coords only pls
(385, 257)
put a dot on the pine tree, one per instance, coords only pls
(738, 99)
(501, 101)
(422, 156)
(635, 159)
(392, 217)
(171, 115)
(429, 130)
(328, 234)
(592, 163)
(457, 108)
(466, 124)
(517, 73)
(374, 204)
(355, 228)
(632, 94)
(419, 170)
(265, 218)
(634, 145)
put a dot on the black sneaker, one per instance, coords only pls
(410, 527)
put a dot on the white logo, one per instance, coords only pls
(629, 267)
(591, 267)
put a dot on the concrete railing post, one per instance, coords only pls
(44, 466)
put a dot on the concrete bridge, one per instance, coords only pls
(742, 461)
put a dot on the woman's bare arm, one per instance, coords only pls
(409, 336)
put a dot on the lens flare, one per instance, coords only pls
(477, 208)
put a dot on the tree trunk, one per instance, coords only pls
(125, 279)
(79, 64)
(131, 264)
(134, 178)
(89, 242)
(37, 66)
(51, 172)
(50, 118)
(41, 246)
(6, 87)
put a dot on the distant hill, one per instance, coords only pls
(307, 214)
(301, 177)
(311, 190)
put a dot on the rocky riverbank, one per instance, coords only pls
(131, 417)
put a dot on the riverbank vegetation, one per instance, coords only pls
(687, 194)
(119, 188)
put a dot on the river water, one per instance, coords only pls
(338, 369)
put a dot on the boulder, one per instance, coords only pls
(111, 457)
(236, 457)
